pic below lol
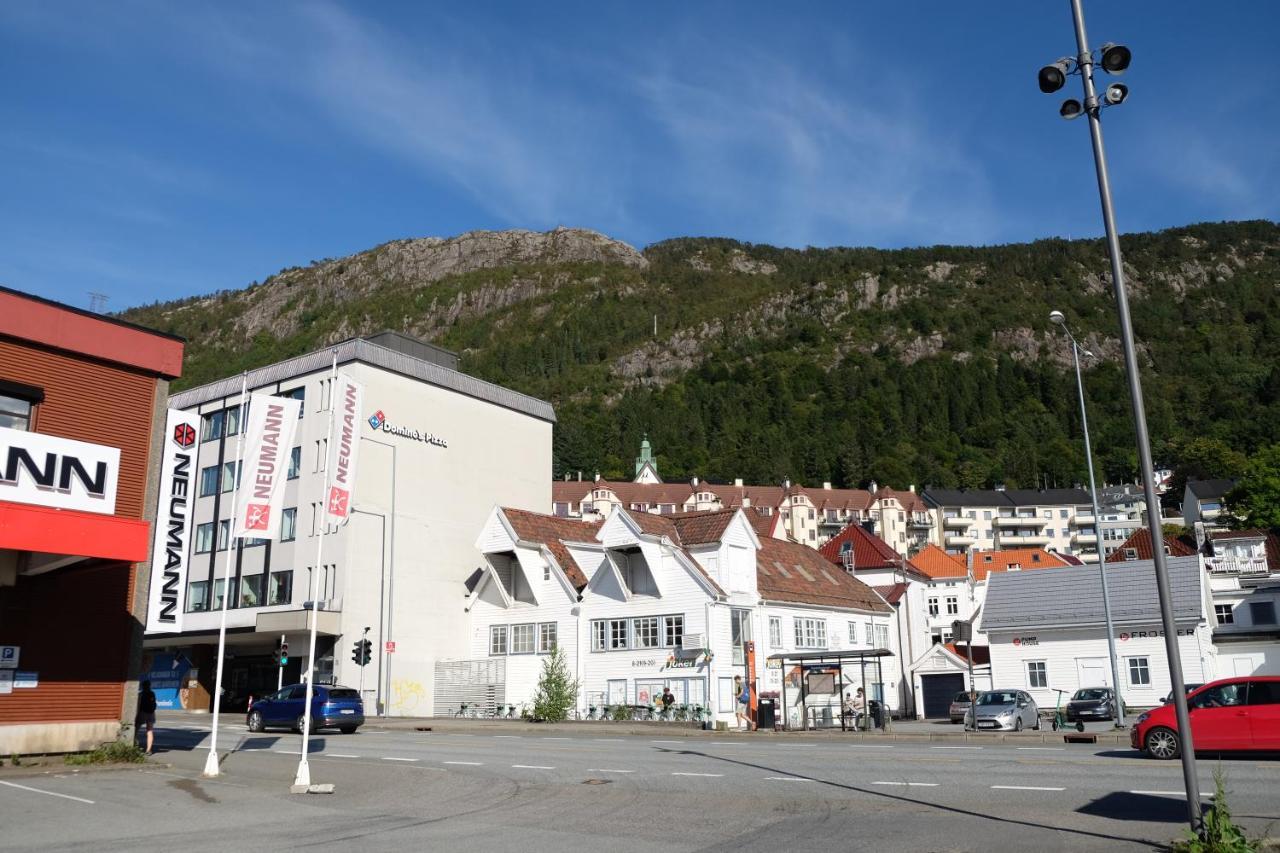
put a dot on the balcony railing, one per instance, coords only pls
(957, 521)
(1021, 521)
(1237, 565)
(1009, 541)
(921, 523)
(960, 539)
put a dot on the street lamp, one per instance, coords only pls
(1059, 318)
(1115, 59)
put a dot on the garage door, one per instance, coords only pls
(938, 692)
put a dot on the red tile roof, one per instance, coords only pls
(1140, 541)
(789, 571)
(1002, 561)
(869, 550)
(553, 532)
(937, 563)
(891, 592)
(981, 655)
(763, 525)
(701, 528)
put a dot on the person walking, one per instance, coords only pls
(146, 716)
(742, 693)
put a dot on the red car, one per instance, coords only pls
(1228, 714)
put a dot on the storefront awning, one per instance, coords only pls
(24, 527)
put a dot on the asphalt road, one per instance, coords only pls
(528, 792)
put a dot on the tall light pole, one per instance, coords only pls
(1115, 59)
(1059, 318)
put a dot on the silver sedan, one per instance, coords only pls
(1005, 711)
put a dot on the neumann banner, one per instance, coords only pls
(170, 548)
(269, 441)
(347, 408)
(58, 472)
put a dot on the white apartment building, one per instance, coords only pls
(640, 602)
(1243, 568)
(437, 447)
(1059, 520)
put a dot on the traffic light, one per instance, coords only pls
(362, 652)
(282, 652)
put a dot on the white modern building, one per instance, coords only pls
(1060, 520)
(642, 602)
(1244, 577)
(437, 448)
(1047, 631)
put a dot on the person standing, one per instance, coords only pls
(146, 716)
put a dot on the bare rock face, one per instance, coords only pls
(433, 258)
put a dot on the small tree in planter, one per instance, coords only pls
(557, 690)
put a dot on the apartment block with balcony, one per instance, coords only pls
(1202, 502)
(1059, 520)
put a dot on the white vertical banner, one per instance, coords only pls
(269, 435)
(347, 404)
(171, 545)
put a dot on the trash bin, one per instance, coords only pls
(826, 716)
(766, 714)
(877, 713)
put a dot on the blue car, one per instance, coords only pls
(331, 707)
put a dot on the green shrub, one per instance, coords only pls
(1221, 833)
(557, 691)
(115, 752)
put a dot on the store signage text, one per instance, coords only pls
(350, 393)
(1155, 634)
(269, 441)
(644, 663)
(171, 544)
(1026, 641)
(57, 472)
(379, 422)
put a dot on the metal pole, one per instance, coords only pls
(303, 777)
(280, 668)
(390, 587)
(1189, 776)
(211, 767)
(1097, 535)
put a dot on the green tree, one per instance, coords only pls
(1202, 458)
(557, 690)
(1255, 501)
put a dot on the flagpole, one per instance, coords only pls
(303, 778)
(211, 767)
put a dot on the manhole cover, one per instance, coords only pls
(596, 781)
(422, 728)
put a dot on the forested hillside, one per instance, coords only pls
(928, 366)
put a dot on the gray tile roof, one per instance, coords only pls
(1072, 596)
(1005, 497)
(358, 349)
(1210, 488)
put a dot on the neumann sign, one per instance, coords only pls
(347, 399)
(58, 472)
(171, 545)
(269, 434)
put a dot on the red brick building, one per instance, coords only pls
(82, 404)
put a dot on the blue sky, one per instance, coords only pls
(151, 150)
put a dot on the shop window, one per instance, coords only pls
(281, 588)
(522, 639)
(295, 462)
(1139, 672)
(546, 637)
(16, 403)
(197, 596)
(497, 639)
(289, 525)
(1037, 673)
(1224, 614)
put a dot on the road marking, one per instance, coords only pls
(666, 741)
(1023, 788)
(609, 740)
(47, 793)
(870, 746)
(698, 774)
(725, 743)
(607, 770)
(955, 747)
(1045, 748)
(909, 784)
(786, 779)
(288, 751)
(555, 738)
(342, 755)
(532, 767)
(394, 758)
(1171, 793)
(467, 763)
(498, 737)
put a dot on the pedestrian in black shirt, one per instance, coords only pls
(146, 714)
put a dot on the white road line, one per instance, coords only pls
(343, 755)
(955, 747)
(609, 740)
(667, 741)
(909, 784)
(288, 751)
(1045, 748)
(394, 758)
(467, 763)
(698, 774)
(532, 767)
(607, 770)
(1023, 788)
(47, 793)
(499, 737)
(870, 746)
(1171, 793)
(555, 738)
(725, 743)
(786, 779)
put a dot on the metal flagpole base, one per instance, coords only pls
(211, 767)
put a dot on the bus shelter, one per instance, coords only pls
(822, 674)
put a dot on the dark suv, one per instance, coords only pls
(331, 707)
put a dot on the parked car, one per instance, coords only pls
(1226, 715)
(959, 706)
(1005, 710)
(331, 707)
(1190, 687)
(1091, 703)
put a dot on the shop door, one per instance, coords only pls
(938, 691)
(1092, 672)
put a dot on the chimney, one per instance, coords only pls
(694, 482)
(873, 488)
(968, 559)
(786, 484)
(737, 481)
(597, 477)
(579, 476)
(912, 488)
(826, 484)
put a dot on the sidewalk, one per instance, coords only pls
(901, 730)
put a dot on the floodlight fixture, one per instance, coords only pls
(1115, 58)
(1071, 108)
(1115, 94)
(1054, 75)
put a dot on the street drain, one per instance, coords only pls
(596, 781)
